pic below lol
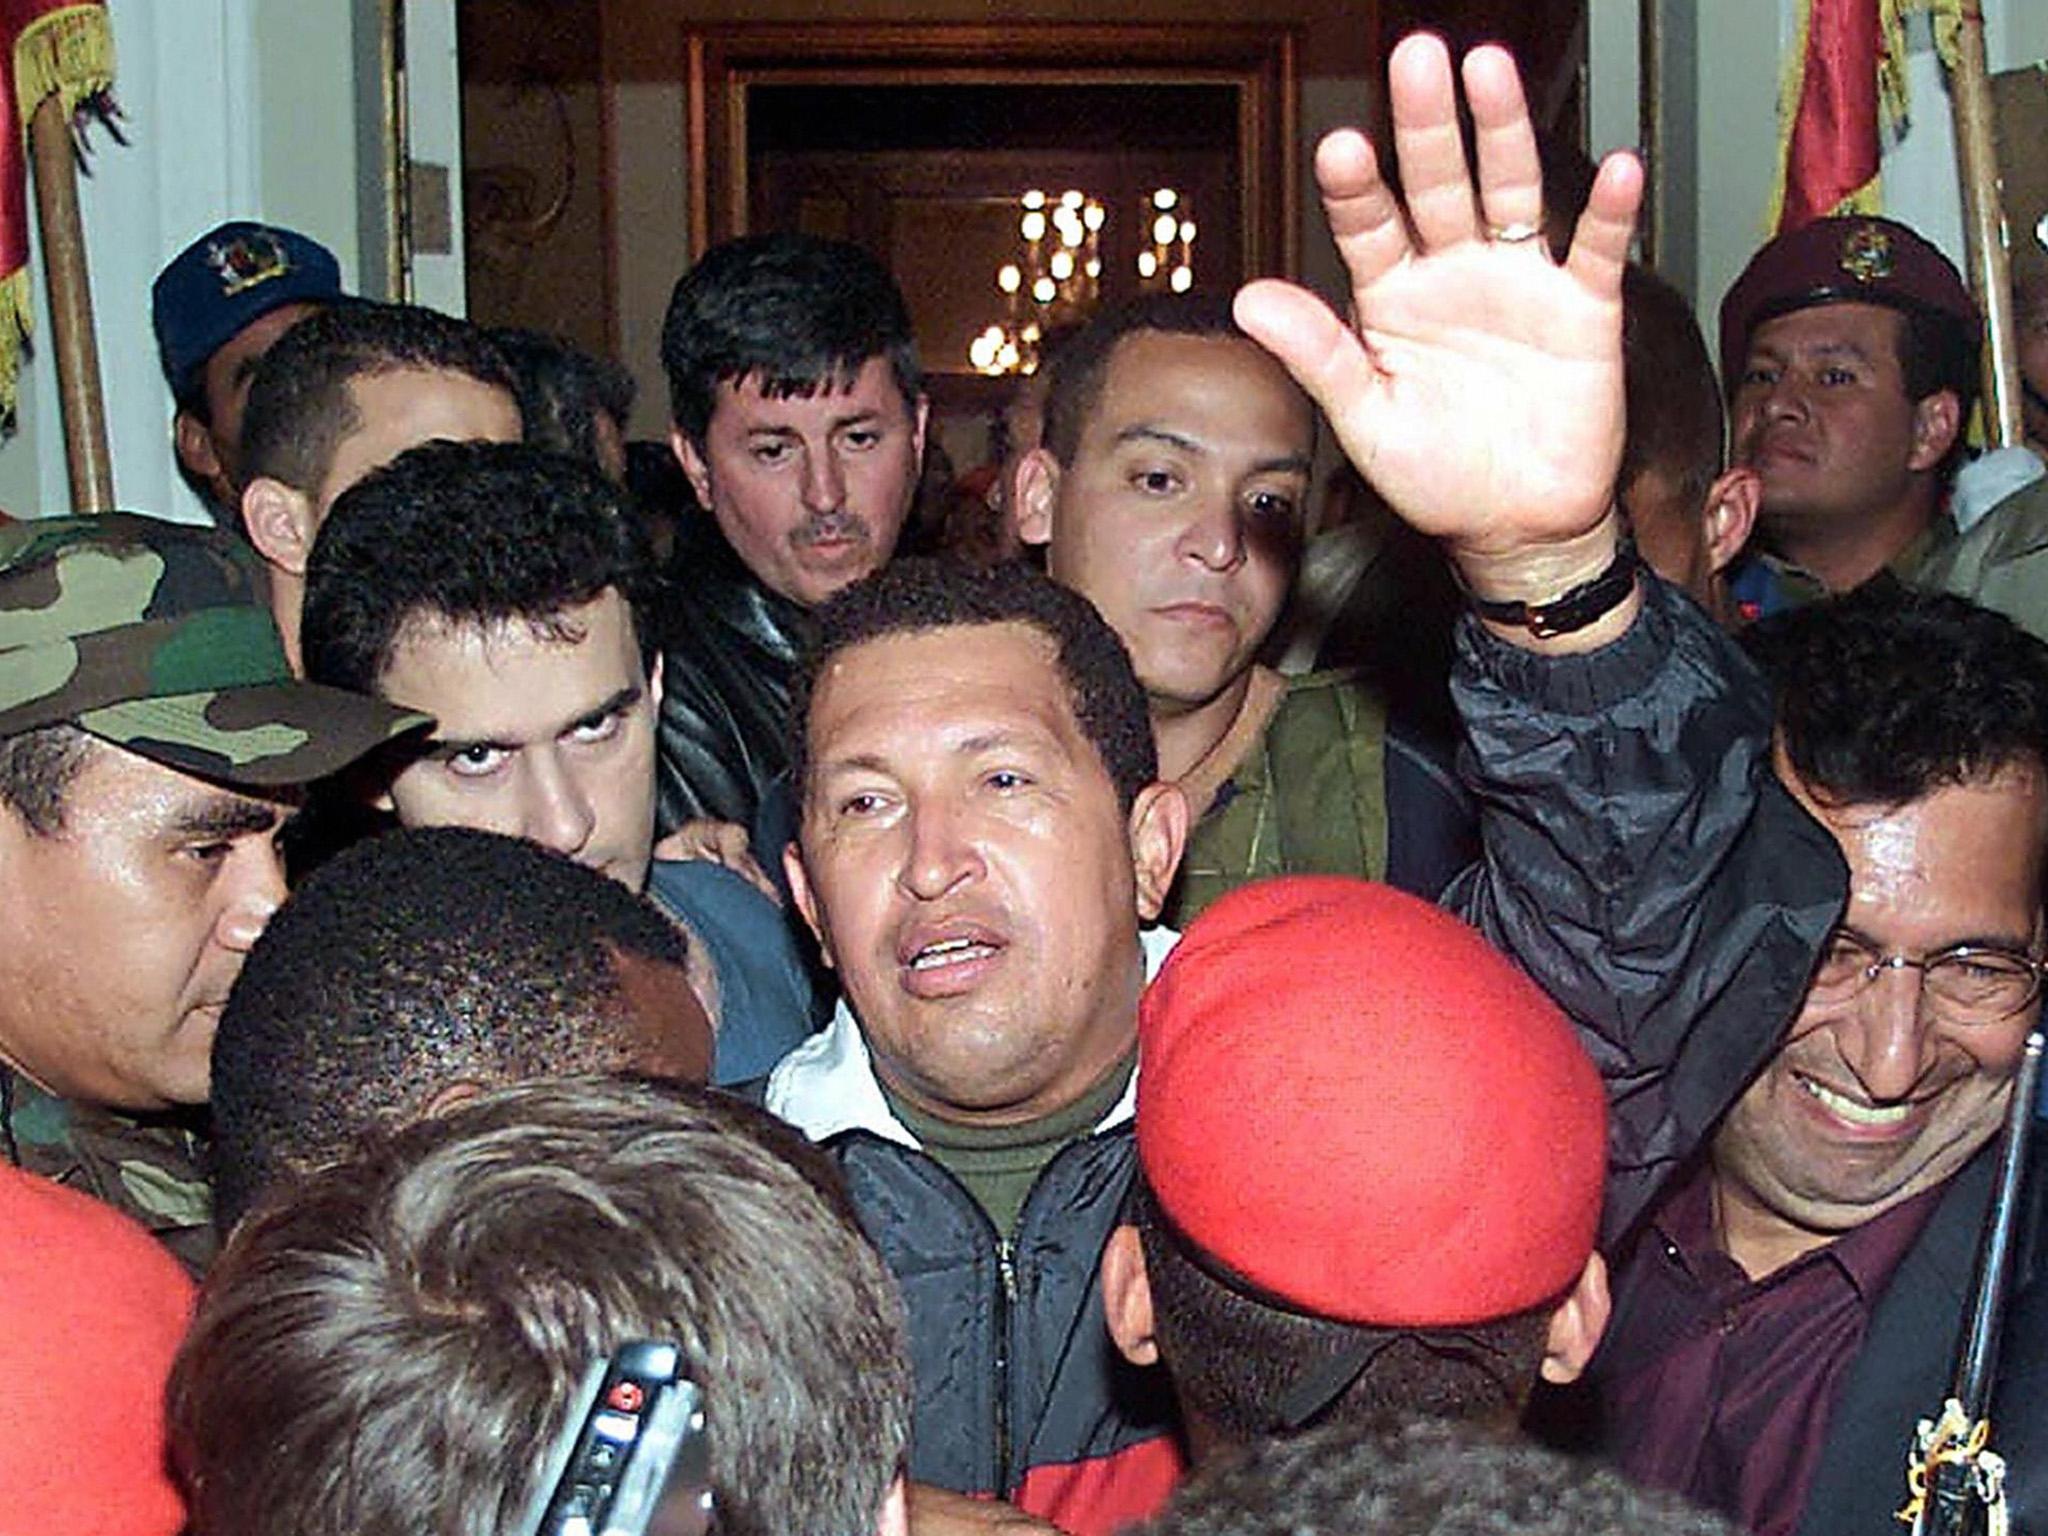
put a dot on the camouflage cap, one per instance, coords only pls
(154, 636)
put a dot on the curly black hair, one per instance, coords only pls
(1887, 694)
(1420, 1477)
(414, 960)
(474, 533)
(798, 313)
(915, 596)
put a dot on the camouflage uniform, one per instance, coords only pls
(154, 637)
(148, 1167)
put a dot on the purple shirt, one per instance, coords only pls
(1720, 1387)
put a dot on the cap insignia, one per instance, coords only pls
(253, 257)
(1867, 253)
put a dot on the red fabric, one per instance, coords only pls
(1832, 148)
(1106, 1493)
(91, 1312)
(1352, 1101)
(16, 16)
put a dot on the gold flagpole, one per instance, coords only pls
(1984, 225)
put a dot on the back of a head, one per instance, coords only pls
(917, 595)
(420, 961)
(1420, 1478)
(1675, 416)
(300, 408)
(798, 313)
(473, 533)
(1077, 377)
(563, 390)
(408, 1329)
(1887, 694)
(1313, 1023)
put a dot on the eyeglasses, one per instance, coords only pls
(1967, 984)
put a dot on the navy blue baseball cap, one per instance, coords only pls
(226, 279)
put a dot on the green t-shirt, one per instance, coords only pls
(999, 1164)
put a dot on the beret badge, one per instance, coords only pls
(1867, 253)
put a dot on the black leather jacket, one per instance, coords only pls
(729, 651)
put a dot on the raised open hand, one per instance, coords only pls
(1480, 390)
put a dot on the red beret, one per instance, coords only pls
(1858, 259)
(1351, 1100)
(91, 1312)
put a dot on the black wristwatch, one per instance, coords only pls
(1582, 605)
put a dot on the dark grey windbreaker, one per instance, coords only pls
(1643, 864)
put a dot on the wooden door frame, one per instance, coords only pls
(725, 62)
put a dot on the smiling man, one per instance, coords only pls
(1170, 492)
(1849, 354)
(152, 741)
(1794, 1307)
(799, 417)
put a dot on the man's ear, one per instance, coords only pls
(1038, 491)
(806, 899)
(280, 522)
(195, 446)
(695, 470)
(1730, 515)
(1576, 1325)
(1936, 421)
(1159, 835)
(894, 1518)
(923, 419)
(1127, 1296)
(654, 682)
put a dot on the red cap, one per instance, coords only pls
(1351, 1100)
(91, 1312)
(1858, 259)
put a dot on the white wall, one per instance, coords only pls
(232, 109)
(1727, 58)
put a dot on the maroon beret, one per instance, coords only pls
(1350, 1100)
(1858, 259)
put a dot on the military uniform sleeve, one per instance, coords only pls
(1642, 863)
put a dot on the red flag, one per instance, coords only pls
(1831, 143)
(63, 48)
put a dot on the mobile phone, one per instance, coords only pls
(631, 1457)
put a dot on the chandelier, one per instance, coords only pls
(1056, 279)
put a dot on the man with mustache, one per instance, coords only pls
(799, 417)
(1849, 356)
